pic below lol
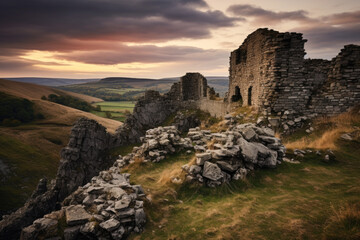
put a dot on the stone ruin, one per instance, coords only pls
(269, 72)
(192, 86)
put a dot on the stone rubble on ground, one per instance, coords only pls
(108, 207)
(232, 154)
(157, 143)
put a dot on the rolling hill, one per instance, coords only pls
(53, 82)
(129, 89)
(31, 151)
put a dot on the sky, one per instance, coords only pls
(157, 38)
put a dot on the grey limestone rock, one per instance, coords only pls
(110, 225)
(212, 171)
(76, 215)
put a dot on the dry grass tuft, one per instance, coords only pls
(335, 125)
(344, 224)
(192, 161)
(138, 161)
(171, 176)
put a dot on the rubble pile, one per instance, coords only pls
(232, 154)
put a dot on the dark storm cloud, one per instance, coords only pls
(59, 24)
(326, 34)
(144, 54)
(332, 37)
(266, 16)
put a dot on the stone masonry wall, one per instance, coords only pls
(269, 64)
(193, 86)
(269, 72)
(215, 108)
(341, 89)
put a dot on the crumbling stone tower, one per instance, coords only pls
(268, 71)
(192, 86)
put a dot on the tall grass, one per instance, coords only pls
(344, 223)
(329, 131)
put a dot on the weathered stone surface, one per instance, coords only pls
(248, 134)
(76, 215)
(226, 166)
(290, 83)
(123, 203)
(116, 192)
(140, 217)
(202, 157)
(110, 225)
(89, 229)
(212, 171)
(248, 150)
(71, 233)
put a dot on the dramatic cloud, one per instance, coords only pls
(326, 35)
(263, 16)
(50, 24)
(144, 54)
(343, 18)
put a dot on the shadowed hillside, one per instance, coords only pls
(31, 150)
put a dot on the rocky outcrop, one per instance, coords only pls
(82, 159)
(108, 207)
(84, 156)
(233, 153)
(149, 112)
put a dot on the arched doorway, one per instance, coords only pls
(237, 96)
(249, 96)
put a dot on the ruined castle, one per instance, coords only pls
(269, 72)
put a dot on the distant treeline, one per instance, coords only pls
(14, 111)
(70, 102)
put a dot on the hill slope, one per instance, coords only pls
(33, 91)
(53, 82)
(31, 151)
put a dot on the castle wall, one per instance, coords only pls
(215, 108)
(272, 65)
(341, 89)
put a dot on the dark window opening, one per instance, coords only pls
(241, 55)
(237, 96)
(249, 96)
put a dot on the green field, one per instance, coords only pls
(114, 110)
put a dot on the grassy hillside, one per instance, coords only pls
(294, 201)
(33, 92)
(311, 200)
(31, 150)
(24, 163)
(52, 82)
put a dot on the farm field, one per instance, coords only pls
(115, 110)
